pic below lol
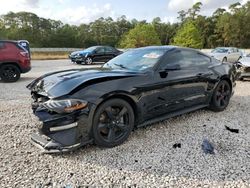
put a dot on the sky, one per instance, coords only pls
(84, 11)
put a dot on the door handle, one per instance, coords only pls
(205, 74)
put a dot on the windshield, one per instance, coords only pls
(136, 60)
(90, 49)
(220, 50)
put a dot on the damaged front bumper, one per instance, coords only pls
(242, 71)
(47, 145)
(62, 132)
(245, 72)
(77, 58)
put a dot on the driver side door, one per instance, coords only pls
(179, 82)
(99, 55)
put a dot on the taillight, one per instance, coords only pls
(24, 54)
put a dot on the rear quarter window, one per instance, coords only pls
(109, 49)
(20, 47)
(2, 45)
(187, 59)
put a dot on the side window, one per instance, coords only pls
(100, 51)
(109, 49)
(173, 58)
(2, 45)
(198, 59)
(186, 59)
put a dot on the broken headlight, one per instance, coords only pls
(65, 106)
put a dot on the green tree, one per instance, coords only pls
(2, 29)
(233, 28)
(64, 36)
(141, 35)
(188, 36)
(193, 12)
(182, 15)
(226, 27)
(165, 31)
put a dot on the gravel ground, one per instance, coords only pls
(148, 158)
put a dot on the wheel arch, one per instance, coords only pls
(226, 78)
(225, 57)
(11, 63)
(124, 97)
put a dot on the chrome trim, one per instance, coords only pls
(61, 128)
(64, 149)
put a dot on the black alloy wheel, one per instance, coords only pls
(113, 122)
(221, 96)
(9, 73)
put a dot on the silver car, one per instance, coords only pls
(244, 66)
(224, 54)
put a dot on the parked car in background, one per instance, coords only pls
(244, 67)
(94, 54)
(137, 88)
(14, 59)
(228, 54)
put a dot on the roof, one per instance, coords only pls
(14, 41)
(167, 47)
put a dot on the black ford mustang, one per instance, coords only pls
(139, 87)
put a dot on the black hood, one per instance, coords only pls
(81, 53)
(62, 83)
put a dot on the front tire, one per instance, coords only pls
(221, 96)
(89, 61)
(9, 73)
(113, 122)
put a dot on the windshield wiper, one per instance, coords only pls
(120, 65)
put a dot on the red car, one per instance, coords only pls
(14, 59)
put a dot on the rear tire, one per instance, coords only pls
(113, 122)
(221, 96)
(9, 73)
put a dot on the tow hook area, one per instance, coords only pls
(60, 139)
(48, 145)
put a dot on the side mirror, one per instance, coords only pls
(168, 68)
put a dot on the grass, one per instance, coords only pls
(49, 55)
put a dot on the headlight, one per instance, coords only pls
(65, 106)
